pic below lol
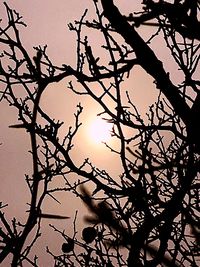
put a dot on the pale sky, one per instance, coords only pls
(47, 24)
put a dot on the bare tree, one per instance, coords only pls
(150, 215)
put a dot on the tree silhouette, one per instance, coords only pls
(149, 216)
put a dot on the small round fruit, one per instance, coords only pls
(89, 234)
(68, 246)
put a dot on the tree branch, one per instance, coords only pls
(147, 59)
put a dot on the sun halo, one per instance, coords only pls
(100, 131)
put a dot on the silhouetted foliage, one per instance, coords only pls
(149, 215)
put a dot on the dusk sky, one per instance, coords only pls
(47, 24)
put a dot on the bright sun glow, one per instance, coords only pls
(100, 131)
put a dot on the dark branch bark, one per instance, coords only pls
(147, 59)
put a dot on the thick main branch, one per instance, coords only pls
(147, 59)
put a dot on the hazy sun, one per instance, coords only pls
(100, 131)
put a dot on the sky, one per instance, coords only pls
(47, 24)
